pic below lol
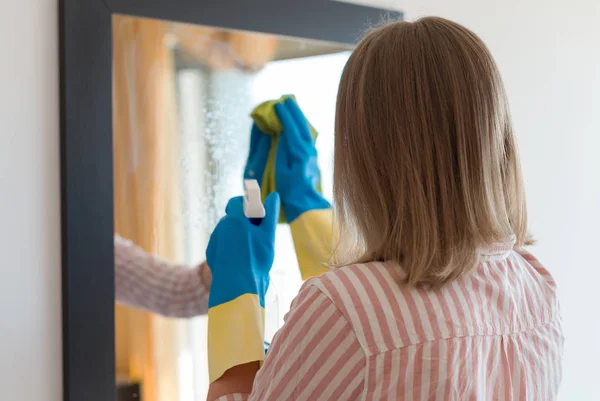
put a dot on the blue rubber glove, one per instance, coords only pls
(260, 144)
(296, 168)
(240, 255)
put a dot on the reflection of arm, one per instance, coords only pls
(312, 232)
(315, 355)
(148, 282)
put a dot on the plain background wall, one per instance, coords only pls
(547, 52)
(30, 336)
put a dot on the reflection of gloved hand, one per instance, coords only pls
(296, 169)
(297, 179)
(240, 255)
(260, 146)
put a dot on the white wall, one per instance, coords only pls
(30, 342)
(548, 53)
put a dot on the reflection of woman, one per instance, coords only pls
(438, 301)
(148, 282)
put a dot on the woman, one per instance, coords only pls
(436, 299)
(148, 282)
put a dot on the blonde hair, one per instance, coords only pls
(426, 169)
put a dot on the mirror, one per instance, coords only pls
(182, 97)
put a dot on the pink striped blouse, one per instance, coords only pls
(354, 334)
(145, 281)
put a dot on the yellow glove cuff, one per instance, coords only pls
(236, 332)
(313, 239)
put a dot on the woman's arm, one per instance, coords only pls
(315, 356)
(148, 282)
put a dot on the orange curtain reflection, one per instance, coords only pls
(145, 184)
(221, 50)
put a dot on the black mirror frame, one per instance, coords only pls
(86, 151)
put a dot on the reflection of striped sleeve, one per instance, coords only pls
(145, 281)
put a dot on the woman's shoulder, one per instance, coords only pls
(369, 296)
(536, 265)
(356, 282)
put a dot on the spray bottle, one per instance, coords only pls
(254, 210)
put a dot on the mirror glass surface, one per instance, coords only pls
(182, 97)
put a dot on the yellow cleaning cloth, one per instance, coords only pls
(266, 120)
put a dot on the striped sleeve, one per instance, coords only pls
(314, 356)
(533, 261)
(145, 281)
(234, 397)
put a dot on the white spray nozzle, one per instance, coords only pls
(253, 207)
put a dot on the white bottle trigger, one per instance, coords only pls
(253, 207)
